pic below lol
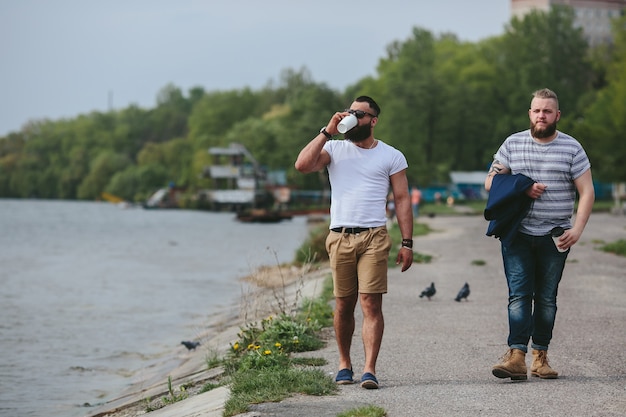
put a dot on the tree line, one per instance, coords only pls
(447, 104)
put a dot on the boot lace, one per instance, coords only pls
(542, 357)
(507, 355)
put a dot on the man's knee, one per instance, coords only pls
(345, 305)
(372, 304)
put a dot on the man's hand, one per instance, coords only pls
(535, 190)
(405, 257)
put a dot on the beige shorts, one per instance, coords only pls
(359, 261)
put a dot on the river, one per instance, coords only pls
(91, 293)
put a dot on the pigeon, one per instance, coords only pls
(190, 345)
(429, 291)
(463, 293)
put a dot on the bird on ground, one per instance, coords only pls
(463, 293)
(190, 345)
(429, 291)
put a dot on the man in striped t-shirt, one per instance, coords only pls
(534, 261)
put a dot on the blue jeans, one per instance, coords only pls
(533, 268)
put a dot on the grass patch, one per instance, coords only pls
(618, 247)
(272, 385)
(260, 366)
(309, 361)
(209, 386)
(313, 249)
(419, 229)
(368, 411)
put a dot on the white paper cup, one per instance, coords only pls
(556, 234)
(347, 123)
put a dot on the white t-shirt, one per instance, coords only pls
(359, 182)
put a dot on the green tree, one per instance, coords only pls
(102, 169)
(543, 49)
(10, 150)
(137, 183)
(410, 99)
(602, 128)
(216, 112)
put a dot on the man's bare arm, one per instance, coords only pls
(495, 169)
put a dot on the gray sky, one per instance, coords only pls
(62, 58)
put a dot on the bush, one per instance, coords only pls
(314, 247)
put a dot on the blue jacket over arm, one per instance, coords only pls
(507, 205)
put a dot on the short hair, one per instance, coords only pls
(373, 105)
(546, 93)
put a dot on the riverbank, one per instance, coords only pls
(270, 289)
(437, 355)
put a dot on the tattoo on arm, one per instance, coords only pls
(496, 167)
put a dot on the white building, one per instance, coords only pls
(593, 16)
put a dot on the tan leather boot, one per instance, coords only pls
(513, 366)
(540, 366)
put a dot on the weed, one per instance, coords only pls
(316, 309)
(309, 361)
(209, 386)
(314, 247)
(173, 398)
(149, 405)
(618, 247)
(368, 411)
(213, 359)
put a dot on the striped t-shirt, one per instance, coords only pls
(556, 164)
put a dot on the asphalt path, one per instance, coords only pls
(437, 355)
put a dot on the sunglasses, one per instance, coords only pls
(359, 113)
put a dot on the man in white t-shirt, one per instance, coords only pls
(361, 169)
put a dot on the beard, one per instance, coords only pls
(546, 132)
(359, 133)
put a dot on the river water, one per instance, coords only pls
(91, 293)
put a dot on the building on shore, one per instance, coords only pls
(593, 16)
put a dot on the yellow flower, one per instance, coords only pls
(267, 352)
(257, 347)
(277, 344)
(236, 346)
(251, 346)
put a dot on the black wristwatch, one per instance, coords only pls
(328, 135)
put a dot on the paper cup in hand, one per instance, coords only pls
(347, 123)
(556, 233)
